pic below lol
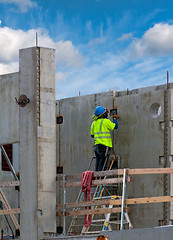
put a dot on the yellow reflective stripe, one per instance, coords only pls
(102, 133)
(102, 137)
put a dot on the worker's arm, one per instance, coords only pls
(115, 117)
(116, 123)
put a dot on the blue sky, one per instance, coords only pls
(100, 45)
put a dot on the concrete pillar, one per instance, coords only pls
(37, 136)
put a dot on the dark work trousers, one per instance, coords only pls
(101, 153)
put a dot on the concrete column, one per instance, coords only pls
(37, 135)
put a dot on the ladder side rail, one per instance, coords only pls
(123, 198)
(99, 195)
(1, 207)
(7, 206)
(79, 198)
(128, 220)
(107, 218)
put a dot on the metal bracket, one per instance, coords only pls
(23, 100)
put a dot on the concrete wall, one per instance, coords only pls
(141, 142)
(75, 148)
(9, 133)
(9, 117)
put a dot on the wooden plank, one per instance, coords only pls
(119, 201)
(116, 172)
(10, 211)
(134, 171)
(149, 171)
(148, 200)
(9, 184)
(110, 181)
(7, 206)
(89, 203)
(92, 211)
(99, 182)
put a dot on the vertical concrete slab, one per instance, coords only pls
(47, 142)
(140, 144)
(37, 143)
(28, 145)
(73, 135)
(76, 147)
(139, 141)
(9, 117)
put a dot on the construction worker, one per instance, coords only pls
(100, 131)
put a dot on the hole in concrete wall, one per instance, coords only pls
(155, 110)
(59, 170)
(59, 120)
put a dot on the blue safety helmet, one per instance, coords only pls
(99, 110)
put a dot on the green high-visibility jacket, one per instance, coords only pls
(101, 131)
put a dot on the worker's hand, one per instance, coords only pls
(115, 116)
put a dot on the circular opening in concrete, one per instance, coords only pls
(155, 110)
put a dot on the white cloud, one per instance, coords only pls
(102, 71)
(89, 27)
(157, 41)
(9, 68)
(100, 40)
(125, 37)
(96, 41)
(67, 54)
(61, 76)
(13, 40)
(23, 5)
(115, 72)
(0, 22)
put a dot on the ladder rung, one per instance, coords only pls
(98, 220)
(117, 222)
(97, 225)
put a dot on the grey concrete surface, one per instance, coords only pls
(9, 117)
(28, 146)
(140, 143)
(37, 143)
(159, 233)
(9, 133)
(76, 147)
